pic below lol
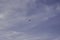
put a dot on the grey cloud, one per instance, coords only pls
(48, 2)
(13, 35)
(44, 17)
(9, 11)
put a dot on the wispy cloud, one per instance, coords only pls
(12, 35)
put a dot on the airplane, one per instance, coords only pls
(29, 20)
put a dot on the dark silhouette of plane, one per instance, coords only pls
(29, 20)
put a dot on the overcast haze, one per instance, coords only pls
(29, 19)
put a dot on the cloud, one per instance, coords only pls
(12, 11)
(12, 35)
(9, 13)
(37, 15)
(15, 16)
(58, 38)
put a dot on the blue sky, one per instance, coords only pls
(15, 16)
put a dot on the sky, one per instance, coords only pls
(29, 19)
